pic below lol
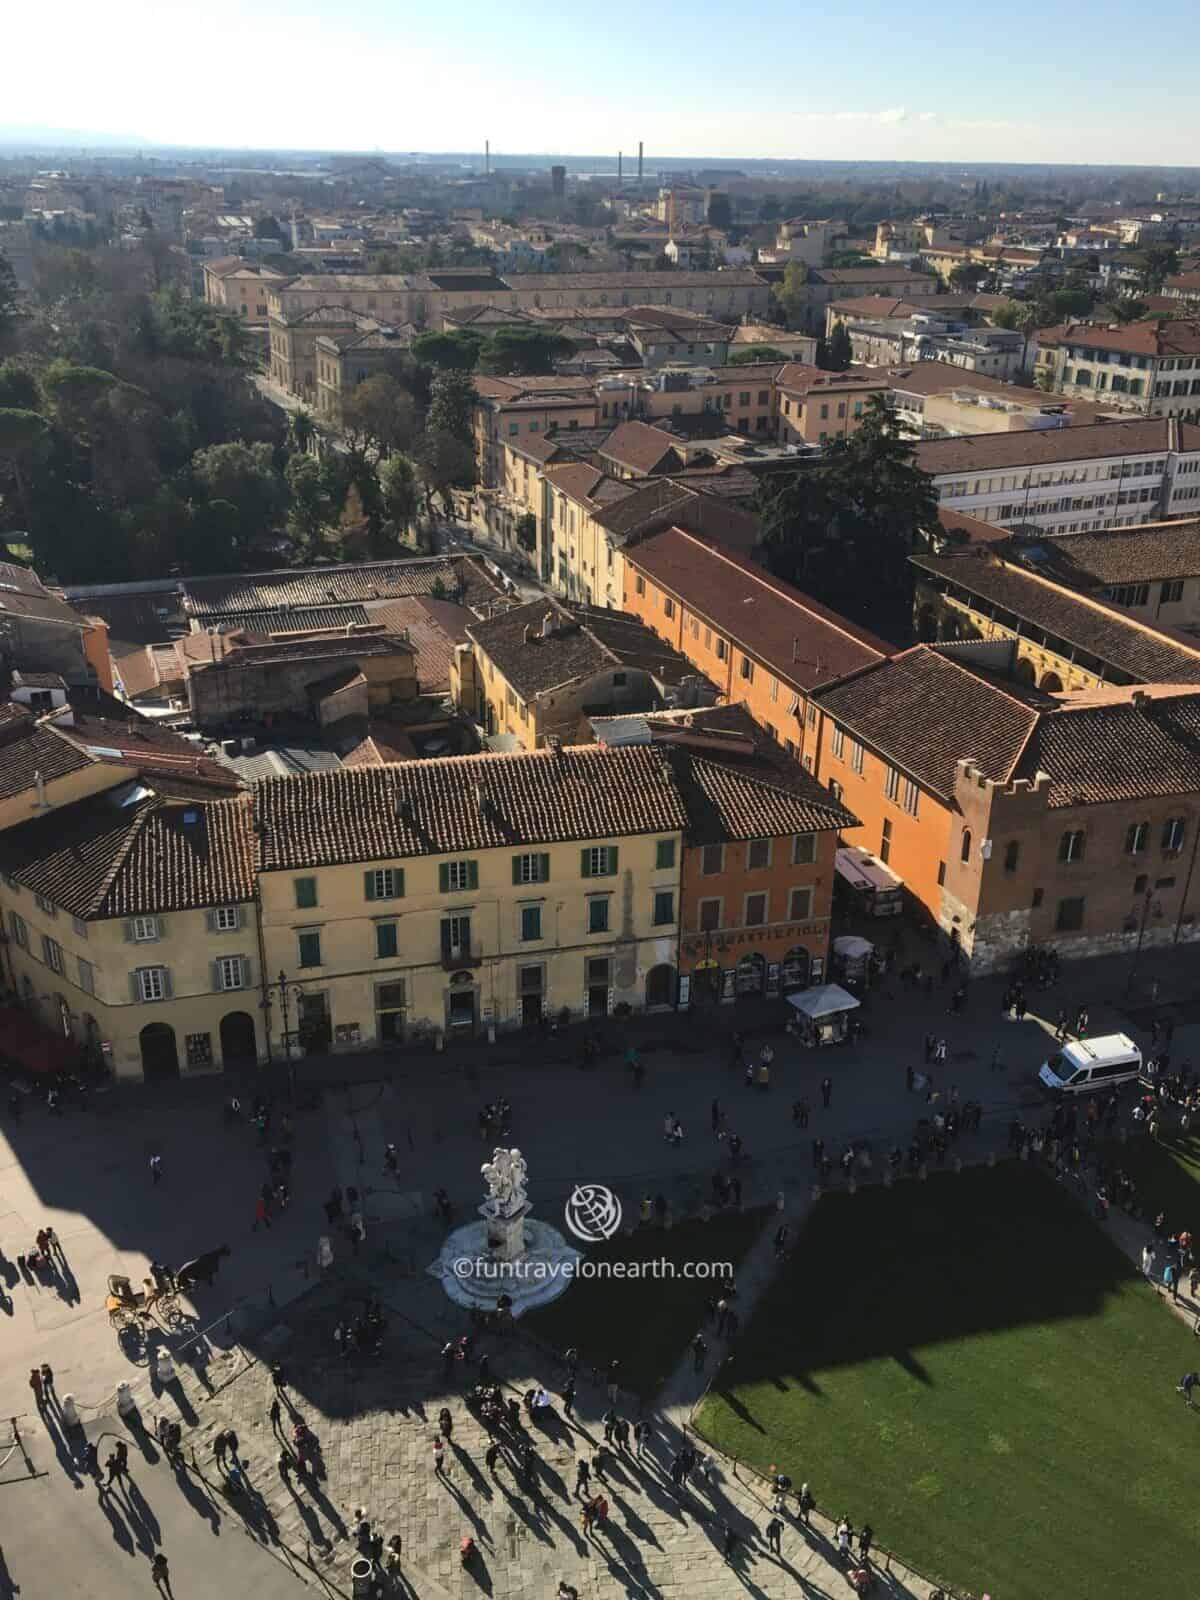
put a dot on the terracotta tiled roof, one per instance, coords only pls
(536, 665)
(1128, 555)
(1123, 751)
(150, 750)
(924, 713)
(799, 378)
(1129, 649)
(730, 278)
(212, 598)
(992, 452)
(883, 276)
(541, 797)
(641, 448)
(801, 641)
(28, 748)
(434, 628)
(97, 860)
(1175, 338)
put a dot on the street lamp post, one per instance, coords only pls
(286, 991)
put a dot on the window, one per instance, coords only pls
(598, 914)
(835, 789)
(747, 669)
(664, 855)
(226, 919)
(941, 873)
(754, 912)
(965, 851)
(800, 905)
(1164, 883)
(639, 584)
(668, 606)
(455, 877)
(891, 784)
(1070, 915)
(664, 907)
(144, 929)
(231, 972)
(1129, 594)
(885, 840)
(911, 797)
(856, 756)
(838, 744)
(774, 690)
(1174, 832)
(1136, 837)
(1070, 846)
(456, 938)
(308, 946)
(152, 983)
(531, 922)
(722, 649)
(758, 854)
(712, 859)
(80, 927)
(20, 933)
(45, 905)
(384, 883)
(386, 941)
(531, 868)
(599, 862)
(52, 953)
(1012, 854)
(306, 892)
(804, 849)
(87, 976)
(710, 916)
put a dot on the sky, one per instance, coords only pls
(1030, 80)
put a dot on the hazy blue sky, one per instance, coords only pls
(1029, 80)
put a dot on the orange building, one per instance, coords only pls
(761, 642)
(815, 407)
(756, 878)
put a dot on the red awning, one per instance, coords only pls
(26, 1044)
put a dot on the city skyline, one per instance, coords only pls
(362, 77)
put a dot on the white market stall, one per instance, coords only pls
(852, 958)
(822, 1014)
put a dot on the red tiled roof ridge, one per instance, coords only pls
(996, 688)
(780, 587)
(136, 827)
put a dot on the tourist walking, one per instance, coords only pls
(699, 1351)
(774, 1536)
(826, 1092)
(156, 1169)
(48, 1381)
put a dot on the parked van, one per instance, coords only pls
(1088, 1066)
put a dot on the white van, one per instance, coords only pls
(1087, 1066)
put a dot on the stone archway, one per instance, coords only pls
(239, 1046)
(660, 987)
(1025, 671)
(1051, 683)
(160, 1055)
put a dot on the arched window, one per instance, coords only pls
(966, 844)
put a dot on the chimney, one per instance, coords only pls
(39, 784)
(483, 801)
(554, 745)
(547, 625)
(1139, 700)
(404, 808)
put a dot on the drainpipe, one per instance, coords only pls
(1187, 884)
(265, 1004)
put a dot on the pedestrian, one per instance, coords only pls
(490, 1457)
(729, 1542)
(1185, 1386)
(160, 1572)
(774, 1536)
(485, 1367)
(1171, 1280)
(641, 1433)
(826, 1092)
(439, 1455)
(285, 1467)
(278, 1376)
(699, 1351)
(910, 1073)
(568, 1398)
(782, 1235)
(818, 1151)
(1081, 1022)
(866, 1538)
(262, 1215)
(613, 1367)
(274, 1413)
(113, 1468)
(48, 1381)
(35, 1383)
(219, 1447)
(807, 1502)
(91, 1459)
(802, 1107)
(583, 1477)
(1147, 1260)
(609, 1420)
(621, 1432)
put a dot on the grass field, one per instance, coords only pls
(973, 1367)
(1167, 1174)
(646, 1323)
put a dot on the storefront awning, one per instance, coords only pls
(825, 1000)
(30, 1047)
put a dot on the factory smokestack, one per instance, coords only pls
(641, 147)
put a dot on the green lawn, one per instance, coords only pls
(645, 1323)
(971, 1366)
(1167, 1174)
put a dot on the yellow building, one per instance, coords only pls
(471, 892)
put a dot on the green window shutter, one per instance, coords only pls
(135, 989)
(612, 858)
(472, 874)
(398, 880)
(369, 885)
(444, 877)
(516, 869)
(210, 918)
(544, 868)
(585, 863)
(128, 927)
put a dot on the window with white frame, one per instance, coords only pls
(231, 972)
(227, 919)
(152, 983)
(1174, 832)
(45, 905)
(911, 797)
(20, 933)
(837, 743)
(52, 953)
(144, 929)
(856, 755)
(891, 784)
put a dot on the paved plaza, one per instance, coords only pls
(88, 1176)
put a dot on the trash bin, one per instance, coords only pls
(362, 1578)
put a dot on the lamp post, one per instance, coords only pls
(1137, 954)
(286, 991)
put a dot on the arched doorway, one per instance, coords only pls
(706, 983)
(1024, 671)
(238, 1043)
(1051, 683)
(91, 1038)
(660, 987)
(751, 978)
(795, 969)
(160, 1058)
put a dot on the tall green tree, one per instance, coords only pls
(378, 416)
(10, 297)
(401, 495)
(25, 441)
(844, 528)
(459, 349)
(523, 350)
(451, 406)
(243, 476)
(840, 351)
(444, 462)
